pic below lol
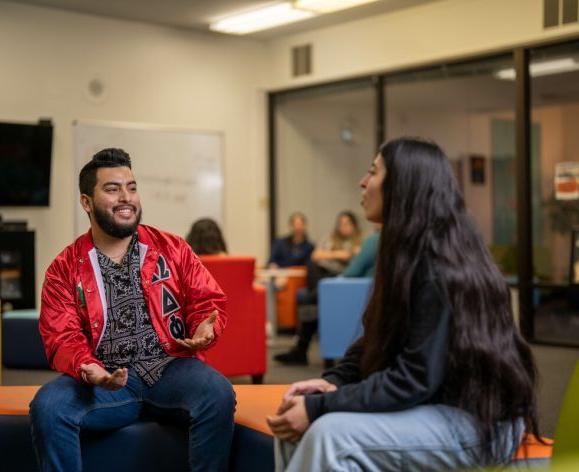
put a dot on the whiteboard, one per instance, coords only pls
(178, 171)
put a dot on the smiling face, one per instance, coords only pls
(372, 197)
(115, 207)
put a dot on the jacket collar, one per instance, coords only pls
(85, 242)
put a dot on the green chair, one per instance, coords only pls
(567, 433)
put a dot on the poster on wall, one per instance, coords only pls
(567, 181)
(477, 169)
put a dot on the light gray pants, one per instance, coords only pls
(424, 438)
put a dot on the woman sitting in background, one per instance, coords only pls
(294, 249)
(334, 252)
(329, 259)
(441, 379)
(205, 238)
(364, 263)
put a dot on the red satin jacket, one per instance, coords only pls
(179, 292)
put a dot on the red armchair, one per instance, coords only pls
(241, 350)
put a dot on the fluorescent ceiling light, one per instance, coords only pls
(538, 69)
(327, 6)
(260, 19)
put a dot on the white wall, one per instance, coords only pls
(427, 33)
(153, 75)
(318, 173)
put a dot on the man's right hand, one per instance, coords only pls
(96, 375)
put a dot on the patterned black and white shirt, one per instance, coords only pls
(129, 339)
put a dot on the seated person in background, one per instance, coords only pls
(441, 379)
(205, 238)
(364, 263)
(126, 312)
(334, 252)
(294, 249)
(329, 259)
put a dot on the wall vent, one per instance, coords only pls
(560, 12)
(301, 60)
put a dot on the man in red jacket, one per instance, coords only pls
(126, 313)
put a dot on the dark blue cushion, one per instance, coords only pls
(145, 446)
(21, 344)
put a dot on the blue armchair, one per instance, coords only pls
(341, 304)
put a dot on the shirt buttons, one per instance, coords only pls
(95, 325)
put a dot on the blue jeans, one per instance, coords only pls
(423, 438)
(64, 407)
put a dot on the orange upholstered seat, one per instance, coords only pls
(286, 305)
(254, 403)
(531, 448)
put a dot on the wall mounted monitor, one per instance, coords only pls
(25, 160)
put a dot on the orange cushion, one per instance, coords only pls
(286, 304)
(254, 403)
(531, 448)
(15, 400)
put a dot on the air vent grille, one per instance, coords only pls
(560, 12)
(301, 60)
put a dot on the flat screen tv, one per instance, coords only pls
(25, 156)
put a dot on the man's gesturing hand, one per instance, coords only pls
(203, 336)
(96, 375)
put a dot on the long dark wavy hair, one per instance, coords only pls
(205, 237)
(490, 370)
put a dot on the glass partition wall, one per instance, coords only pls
(469, 111)
(323, 138)
(324, 145)
(554, 79)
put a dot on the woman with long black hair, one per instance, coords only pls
(441, 378)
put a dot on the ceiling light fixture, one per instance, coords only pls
(260, 19)
(327, 6)
(538, 69)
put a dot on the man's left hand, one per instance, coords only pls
(203, 336)
(292, 420)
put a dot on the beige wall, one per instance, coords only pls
(435, 31)
(317, 172)
(153, 75)
(172, 77)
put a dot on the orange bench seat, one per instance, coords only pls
(254, 403)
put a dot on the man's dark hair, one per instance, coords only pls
(111, 157)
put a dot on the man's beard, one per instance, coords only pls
(108, 224)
